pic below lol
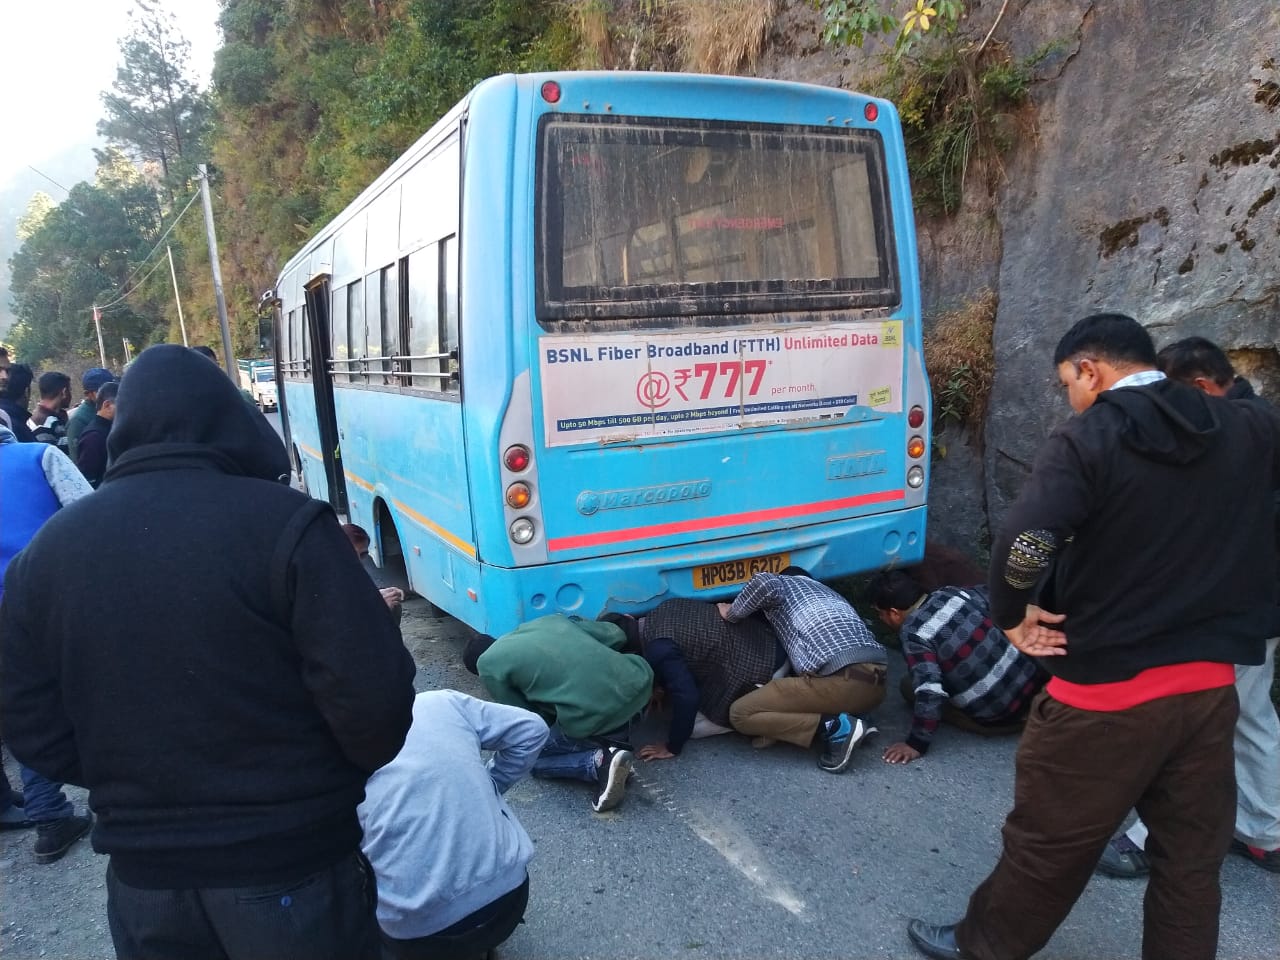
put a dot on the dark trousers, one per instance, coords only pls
(1079, 772)
(328, 915)
(470, 938)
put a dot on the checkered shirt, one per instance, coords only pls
(821, 632)
(955, 653)
(727, 660)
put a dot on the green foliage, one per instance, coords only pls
(957, 103)
(847, 23)
(154, 111)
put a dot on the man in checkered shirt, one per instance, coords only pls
(840, 668)
(961, 666)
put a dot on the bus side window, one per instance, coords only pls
(355, 321)
(338, 321)
(389, 319)
(449, 319)
(373, 327)
(291, 333)
(424, 316)
(304, 333)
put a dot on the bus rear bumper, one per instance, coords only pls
(637, 582)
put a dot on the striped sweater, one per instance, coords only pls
(956, 654)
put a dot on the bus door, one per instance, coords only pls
(322, 382)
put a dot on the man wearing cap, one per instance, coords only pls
(83, 415)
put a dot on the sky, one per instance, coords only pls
(58, 56)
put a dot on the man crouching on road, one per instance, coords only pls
(1139, 564)
(223, 678)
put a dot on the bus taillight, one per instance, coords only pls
(915, 477)
(521, 530)
(915, 417)
(871, 111)
(551, 92)
(518, 496)
(516, 458)
(915, 448)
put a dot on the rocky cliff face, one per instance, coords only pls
(1146, 183)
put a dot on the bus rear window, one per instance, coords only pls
(636, 213)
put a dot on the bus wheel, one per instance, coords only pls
(393, 560)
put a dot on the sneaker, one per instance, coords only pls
(611, 775)
(841, 736)
(55, 838)
(15, 818)
(1123, 858)
(1266, 859)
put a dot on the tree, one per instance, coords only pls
(38, 208)
(155, 111)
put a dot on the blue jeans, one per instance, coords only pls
(45, 801)
(564, 758)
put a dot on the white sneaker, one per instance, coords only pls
(615, 766)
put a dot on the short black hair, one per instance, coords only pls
(4, 352)
(1114, 337)
(106, 392)
(795, 572)
(474, 649)
(630, 628)
(20, 377)
(206, 352)
(894, 590)
(1195, 357)
(53, 383)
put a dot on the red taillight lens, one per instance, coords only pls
(915, 417)
(915, 448)
(871, 111)
(518, 496)
(516, 458)
(551, 92)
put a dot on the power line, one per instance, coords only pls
(49, 178)
(129, 291)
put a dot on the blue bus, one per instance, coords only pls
(601, 339)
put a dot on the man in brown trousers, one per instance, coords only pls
(1138, 563)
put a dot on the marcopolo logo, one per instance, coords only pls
(592, 501)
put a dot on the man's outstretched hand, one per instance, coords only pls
(1034, 637)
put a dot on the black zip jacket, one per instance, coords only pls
(198, 645)
(1153, 515)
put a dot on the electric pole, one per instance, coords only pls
(228, 356)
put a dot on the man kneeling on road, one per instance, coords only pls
(840, 668)
(572, 674)
(962, 668)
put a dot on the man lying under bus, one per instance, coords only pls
(702, 664)
(840, 668)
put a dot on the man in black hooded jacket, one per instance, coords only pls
(222, 677)
(1138, 564)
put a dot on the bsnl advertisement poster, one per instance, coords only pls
(617, 387)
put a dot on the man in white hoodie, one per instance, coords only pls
(449, 855)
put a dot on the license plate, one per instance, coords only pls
(713, 575)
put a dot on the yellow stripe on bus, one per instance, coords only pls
(363, 484)
(315, 454)
(435, 528)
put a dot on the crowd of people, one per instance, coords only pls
(267, 783)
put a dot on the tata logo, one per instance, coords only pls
(862, 464)
(591, 501)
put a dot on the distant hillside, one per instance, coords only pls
(68, 167)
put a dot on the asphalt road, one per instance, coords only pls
(724, 852)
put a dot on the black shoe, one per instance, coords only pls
(1123, 858)
(938, 942)
(55, 838)
(15, 818)
(611, 775)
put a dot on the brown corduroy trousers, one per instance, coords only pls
(1079, 772)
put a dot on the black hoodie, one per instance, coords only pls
(198, 645)
(1159, 501)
